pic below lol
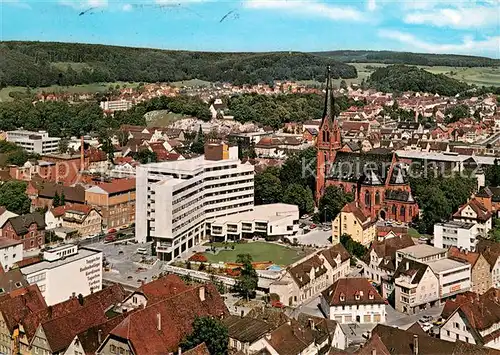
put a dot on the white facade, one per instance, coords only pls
(273, 220)
(175, 199)
(11, 252)
(469, 215)
(34, 142)
(363, 313)
(420, 252)
(116, 105)
(455, 234)
(65, 272)
(453, 276)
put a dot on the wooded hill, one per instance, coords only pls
(37, 64)
(429, 59)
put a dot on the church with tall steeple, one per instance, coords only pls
(379, 182)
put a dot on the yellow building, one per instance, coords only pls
(351, 220)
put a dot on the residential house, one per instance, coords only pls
(489, 196)
(42, 193)
(473, 318)
(416, 286)
(475, 212)
(480, 269)
(387, 340)
(217, 108)
(28, 228)
(379, 263)
(115, 201)
(154, 291)
(160, 327)
(13, 313)
(353, 221)
(353, 300)
(491, 251)
(86, 220)
(11, 252)
(4, 216)
(306, 278)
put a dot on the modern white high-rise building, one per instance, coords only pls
(462, 235)
(176, 199)
(34, 142)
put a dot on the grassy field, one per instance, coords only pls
(192, 82)
(92, 88)
(162, 118)
(479, 76)
(260, 251)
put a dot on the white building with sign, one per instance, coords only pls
(66, 271)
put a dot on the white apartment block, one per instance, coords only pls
(454, 276)
(66, 271)
(34, 142)
(175, 199)
(116, 105)
(273, 220)
(462, 235)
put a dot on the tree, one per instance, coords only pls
(301, 196)
(56, 200)
(63, 145)
(354, 248)
(208, 330)
(248, 279)
(145, 156)
(343, 84)
(267, 188)
(198, 145)
(13, 197)
(62, 199)
(332, 201)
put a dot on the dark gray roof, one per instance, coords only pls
(412, 268)
(22, 223)
(246, 329)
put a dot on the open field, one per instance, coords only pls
(260, 251)
(192, 82)
(479, 75)
(88, 88)
(162, 118)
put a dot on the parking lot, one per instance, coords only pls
(125, 264)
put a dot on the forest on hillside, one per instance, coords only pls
(428, 59)
(38, 64)
(400, 78)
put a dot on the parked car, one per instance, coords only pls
(110, 238)
(425, 319)
(359, 266)
(312, 226)
(277, 304)
(112, 230)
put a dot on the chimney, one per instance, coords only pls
(374, 351)
(407, 265)
(179, 351)
(202, 293)
(99, 336)
(158, 318)
(311, 324)
(268, 336)
(242, 314)
(415, 344)
(82, 155)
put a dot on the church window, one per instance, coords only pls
(367, 199)
(394, 210)
(402, 211)
(377, 198)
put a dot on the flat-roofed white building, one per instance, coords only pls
(175, 199)
(66, 271)
(454, 276)
(273, 220)
(116, 105)
(420, 252)
(11, 252)
(34, 142)
(462, 235)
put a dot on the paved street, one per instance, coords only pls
(315, 237)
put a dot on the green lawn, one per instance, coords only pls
(260, 251)
(162, 118)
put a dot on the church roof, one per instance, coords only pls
(329, 109)
(364, 167)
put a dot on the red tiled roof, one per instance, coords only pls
(118, 185)
(354, 209)
(198, 350)
(353, 291)
(290, 338)
(482, 212)
(164, 287)
(467, 256)
(175, 316)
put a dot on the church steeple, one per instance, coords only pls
(329, 110)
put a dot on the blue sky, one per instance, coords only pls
(435, 26)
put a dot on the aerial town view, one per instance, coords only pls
(251, 177)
